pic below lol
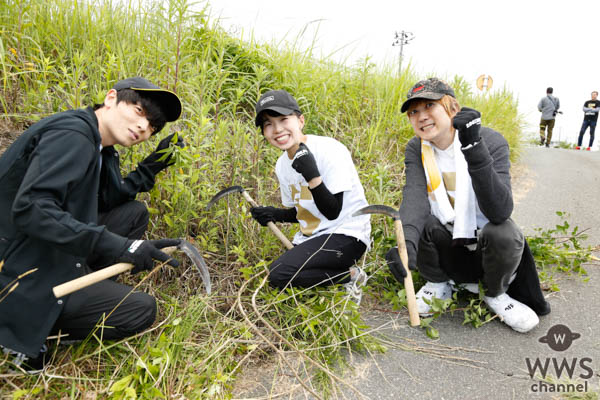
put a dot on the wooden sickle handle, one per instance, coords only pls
(84, 281)
(413, 312)
(270, 224)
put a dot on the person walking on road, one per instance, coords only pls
(590, 118)
(548, 106)
(456, 208)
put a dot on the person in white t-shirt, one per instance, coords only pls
(320, 190)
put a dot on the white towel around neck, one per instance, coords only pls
(464, 214)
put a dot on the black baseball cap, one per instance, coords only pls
(429, 89)
(167, 100)
(279, 101)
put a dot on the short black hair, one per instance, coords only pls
(549, 90)
(155, 115)
(272, 113)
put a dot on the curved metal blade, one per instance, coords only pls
(223, 193)
(193, 253)
(378, 209)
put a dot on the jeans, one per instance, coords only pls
(592, 125)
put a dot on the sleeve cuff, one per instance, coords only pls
(110, 243)
(469, 146)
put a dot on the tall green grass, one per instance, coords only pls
(61, 54)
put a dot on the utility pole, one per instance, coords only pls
(400, 39)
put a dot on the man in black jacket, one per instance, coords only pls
(590, 118)
(66, 209)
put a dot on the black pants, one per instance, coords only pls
(86, 308)
(496, 259)
(323, 260)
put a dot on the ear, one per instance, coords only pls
(454, 108)
(301, 119)
(111, 98)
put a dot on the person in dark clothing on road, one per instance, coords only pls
(67, 210)
(590, 118)
(456, 207)
(548, 106)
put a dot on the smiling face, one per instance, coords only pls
(122, 122)
(431, 122)
(284, 131)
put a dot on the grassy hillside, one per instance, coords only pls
(61, 54)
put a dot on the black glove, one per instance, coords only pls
(395, 264)
(152, 160)
(468, 122)
(141, 252)
(263, 215)
(305, 164)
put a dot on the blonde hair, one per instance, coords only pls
(450, 104)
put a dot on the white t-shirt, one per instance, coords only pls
(447, 167)
(339, 175)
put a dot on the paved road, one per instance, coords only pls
(491, 362)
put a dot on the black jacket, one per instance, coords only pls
(50, 193)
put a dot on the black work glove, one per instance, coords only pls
(263, 215)
(304, 163)
(140, 253)
(467, 121)
(152, 161)
(395, 264)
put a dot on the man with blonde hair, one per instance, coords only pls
(456, 207)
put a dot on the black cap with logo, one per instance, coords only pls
(279, 101)
(167, 100)
(429, 89)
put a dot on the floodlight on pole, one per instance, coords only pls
(400, 39)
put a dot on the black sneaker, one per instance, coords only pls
(25, 363)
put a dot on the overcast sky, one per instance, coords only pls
(525, 45)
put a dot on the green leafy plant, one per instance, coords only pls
(475, 311)
(438, 307)
(559, 249)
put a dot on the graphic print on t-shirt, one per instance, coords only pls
(450, 184)
(308, 222)
(591, 115)
(339, 175)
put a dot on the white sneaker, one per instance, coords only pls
(429, 290)
(354, 287)
(513, 313)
